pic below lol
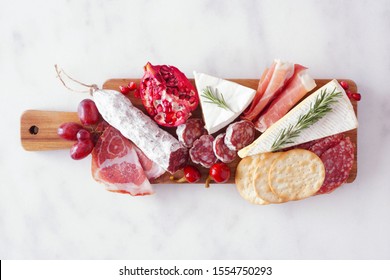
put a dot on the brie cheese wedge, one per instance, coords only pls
(342, 118)
(237, 98)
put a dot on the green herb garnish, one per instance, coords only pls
(215, 97)
(319, 109)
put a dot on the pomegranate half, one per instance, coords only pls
(167, 94)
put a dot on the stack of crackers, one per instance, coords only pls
(279, 177)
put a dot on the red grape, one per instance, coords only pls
(88, 112)
(81, 149)
(69, 130)
(83, 135)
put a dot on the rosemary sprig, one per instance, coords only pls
(319, 109)
(215, 97)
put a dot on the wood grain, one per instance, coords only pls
(47, 123)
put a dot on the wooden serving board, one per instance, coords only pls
(38, 129)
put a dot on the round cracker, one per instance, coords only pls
(296, 174)
(260, 178)
(244, 179)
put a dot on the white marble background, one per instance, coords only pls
(50, 207)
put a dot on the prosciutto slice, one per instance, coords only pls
(300, 84)
(274, 81)
(115, 163)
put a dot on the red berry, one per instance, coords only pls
(349, 94)
(81, 149)
(88, 112)
(83, 135)
(220, 172)
(344, 84)
(192, 174)
(124, 89)
(132, 86)
(69, 130)
(356, 96)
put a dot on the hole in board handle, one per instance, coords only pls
(33, 130)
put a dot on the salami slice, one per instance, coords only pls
(202, 151)
(305, 146)
(239, 135)
(326, 143)
(338, 162)
(221, 151)
(190, 131)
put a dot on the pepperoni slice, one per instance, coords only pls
(190, 131)
(221, 151)
(326, 143)
(239, 135)
(338, 162)
(202, 151)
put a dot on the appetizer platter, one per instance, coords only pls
(283, 137)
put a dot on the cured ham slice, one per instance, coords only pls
(273, 83)
(300, 84)
(263, 83)
(151, 169)
(115, 163)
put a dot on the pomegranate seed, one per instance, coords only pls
(132, 86)
(349, 93)
(159, 108)
(166, 103)
(136, 93)
(179, 114)
(124, 90)
(356, 96)
(344, 84)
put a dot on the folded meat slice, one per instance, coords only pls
(115, 163)
(263, 84)
(151, 169)
(273, 83)
(300, 84)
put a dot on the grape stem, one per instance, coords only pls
(91, 90)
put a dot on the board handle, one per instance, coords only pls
(38, 130)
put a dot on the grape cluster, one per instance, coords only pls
(86, 133)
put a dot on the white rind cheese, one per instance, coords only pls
(342, 118)
(236, 96)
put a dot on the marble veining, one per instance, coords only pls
(51, 208)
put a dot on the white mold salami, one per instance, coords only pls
(157, 144)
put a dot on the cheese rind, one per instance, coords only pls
(342, 118)
(236, 96)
